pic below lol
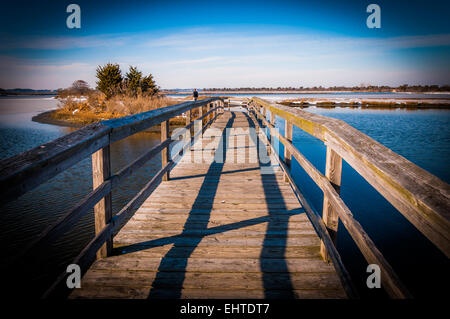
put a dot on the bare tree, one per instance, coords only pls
(80, 87)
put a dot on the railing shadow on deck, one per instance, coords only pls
(24, 172)
(420, 196)
(180, 250)
(271, 186)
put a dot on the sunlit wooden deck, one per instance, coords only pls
(228, 223)
(217, 229)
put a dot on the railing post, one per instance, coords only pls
(272, 118)
(188, 121)
(271, 121)
(200, 114)
(210, 114)
(101, 171)
(165, 151)
(212, 108)
(257, 127)
(288, 128)
(268, 135)
(333, 171)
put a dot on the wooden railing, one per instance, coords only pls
(420, 196)
(21, 173)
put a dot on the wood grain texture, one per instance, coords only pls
(23, 172)
(333, 171)
(317, 223)
(220, 227)
(421, 197)
(101, 171)
(390, 280)
(165, 157)
(288, 131)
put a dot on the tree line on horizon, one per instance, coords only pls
(111, 82)
(365, 88)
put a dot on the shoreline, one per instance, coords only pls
(299, 92)
(46, 118)
(370, 104)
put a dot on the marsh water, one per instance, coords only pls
(422, 136)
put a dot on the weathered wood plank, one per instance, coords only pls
(390, 280)
(108, 292)
(216, 220)
(23, 172)
(288, 133)
(421, 197)
(129, 125)
(202, 280)
(165, 158)
(333, 171)
(229, 252)
(216, 264)
(101, 171)
(318, 225)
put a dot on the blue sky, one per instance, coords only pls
(187, 44)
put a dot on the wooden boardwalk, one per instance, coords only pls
(226, 224)
(217, 229)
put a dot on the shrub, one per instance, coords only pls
(109, 79)
(80, 87)
(149, 86)
(133, 81)
(123, 104)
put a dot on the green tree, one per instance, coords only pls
(109, 79)
(133, 81)
(148, 85)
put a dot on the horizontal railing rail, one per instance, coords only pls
(420, 196)
(317, 223)
(21, 173)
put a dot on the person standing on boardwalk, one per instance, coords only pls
(195, 95)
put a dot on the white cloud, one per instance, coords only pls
(204, 58)
(62, 42)
(193, 41)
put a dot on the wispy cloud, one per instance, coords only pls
(195, 61)
(194, 41)
(63, 42)
(206, 58)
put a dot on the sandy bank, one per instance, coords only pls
(428, 103)
(76, 121)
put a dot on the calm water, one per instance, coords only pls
(421, 136)
(335, 95)
(26, 217)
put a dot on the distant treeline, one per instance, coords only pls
(150, 86)
(368, 88)
(26, 92)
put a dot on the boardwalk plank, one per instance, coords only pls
(217, 230)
